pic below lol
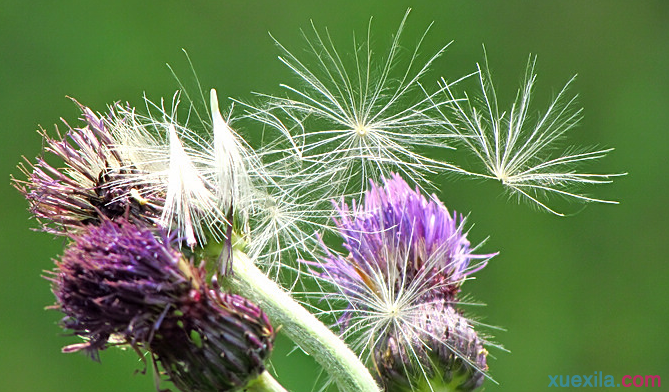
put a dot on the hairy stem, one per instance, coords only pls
(265, 383)
(300, 326)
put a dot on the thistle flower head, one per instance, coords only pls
(399, 239)
(118, 283)
(118, 280)
(525, 157)
(408, 257)
(86, 189)
(353, 115)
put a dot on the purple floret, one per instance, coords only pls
(119, 283)
(401, 234)
(117, 279)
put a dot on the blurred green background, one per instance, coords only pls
(577, 295)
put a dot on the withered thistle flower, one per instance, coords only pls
(119, 283)
(408, 258)
(87, 188)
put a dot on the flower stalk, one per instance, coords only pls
(300, 326)
(265, 383)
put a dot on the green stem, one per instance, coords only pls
(265, 383)
(300, 326)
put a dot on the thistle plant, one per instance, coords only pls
(87, 189)
(189, 243)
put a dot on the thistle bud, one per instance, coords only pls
(118, 280)
(446, 352)
(220, 343)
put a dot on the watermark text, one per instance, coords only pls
(597, 379)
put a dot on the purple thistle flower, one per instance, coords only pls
(119, 283)
(408, 258)
(118, 280)
(89, 186)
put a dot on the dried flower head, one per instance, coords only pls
(88, 188)
(408, 257)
